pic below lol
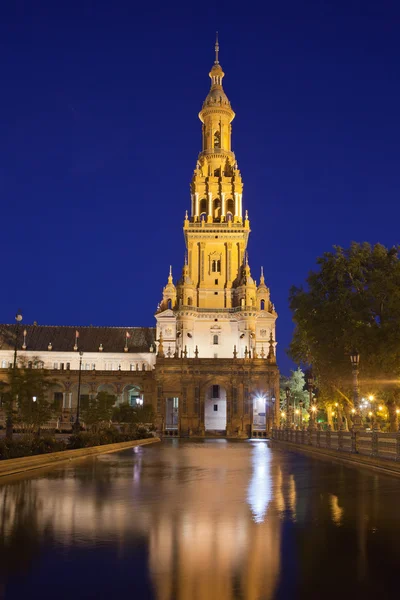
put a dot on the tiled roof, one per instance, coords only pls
(62, 338)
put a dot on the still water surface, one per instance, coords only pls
(200, 521)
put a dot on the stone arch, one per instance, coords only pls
(262, 304)
(230, 206)
(56, 396)
(215, 407)
(203, 206)
(217, 209)
(132, 394)
(85, 394)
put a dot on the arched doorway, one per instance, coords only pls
(132, 395)
(215, 408)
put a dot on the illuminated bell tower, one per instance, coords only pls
(218, 309)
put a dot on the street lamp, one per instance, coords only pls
(301, 412)
(355, 361)
(9, 419)
(313, 408)
(288, 410)
(77, 423)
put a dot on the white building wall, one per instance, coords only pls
(102, 361)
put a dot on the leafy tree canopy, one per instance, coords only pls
(297, 386)
(351, 302)
(99, 411)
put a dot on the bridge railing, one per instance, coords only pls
(368, 443)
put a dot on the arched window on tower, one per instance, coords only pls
(169, 303)
(203, 205)
(229, 216)
(189, 301)
(230, 206)
(203, 216)
(217, 139)
(262, 305)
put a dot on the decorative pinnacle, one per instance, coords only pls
(216, 62)
(170, 274)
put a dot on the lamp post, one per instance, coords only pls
(310, 384)
(355, 361)
(288, 412)
(78, 406)
(301, 413)
(273, 409)
(9, 419)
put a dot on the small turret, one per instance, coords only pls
(169, 294)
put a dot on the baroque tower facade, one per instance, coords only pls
(216, 309)
(216, 319)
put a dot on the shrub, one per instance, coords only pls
(29, 446)
(106, 436)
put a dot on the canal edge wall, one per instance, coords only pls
(379, 465)
(13, 466)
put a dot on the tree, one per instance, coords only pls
(296, 384)
(29, 385)
(132, 416)
(351, 302)
(99, 411)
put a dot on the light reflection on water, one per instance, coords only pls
(202, 521)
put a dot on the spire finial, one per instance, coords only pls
(262, 280)
(216, 49)
(170, 274)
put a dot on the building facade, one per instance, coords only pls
(209, 365)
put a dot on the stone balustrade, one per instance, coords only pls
(368, 443)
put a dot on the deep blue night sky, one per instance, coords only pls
(100, 134)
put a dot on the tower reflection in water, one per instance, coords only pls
(214, 544)
(210, 515)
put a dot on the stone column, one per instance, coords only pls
(236, 204)
(228, 412)
(223, 207)
(202, 406)
(210, 214)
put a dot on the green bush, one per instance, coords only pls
(106, 436)
(29, 446)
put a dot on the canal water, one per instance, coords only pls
(200, 521)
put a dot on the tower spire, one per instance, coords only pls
(216, 49)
